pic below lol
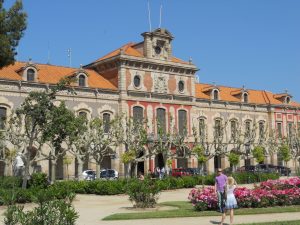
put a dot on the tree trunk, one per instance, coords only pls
(26, 170)
(127, 170)
(98, 170)
(53, 170)
(80, 168)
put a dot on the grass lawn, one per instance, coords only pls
(185, 209)
(295, 222)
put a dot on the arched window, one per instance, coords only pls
(30, 75)
(81, 81)
(216, 95)
(182, 122)
(83, 114)
(247, 128)
(106, 122)
(287, 100)
(245, 98)
(261, 130)
(3, 115)
(138, 114)
(161, 119)
(181, 86)
(137, 81)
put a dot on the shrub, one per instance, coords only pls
(266, 195)
(10, 182)
(144, 193)
(39, 180)
(49, 211)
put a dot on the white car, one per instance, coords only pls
(89, 174)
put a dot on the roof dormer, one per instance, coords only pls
(29, 72)
(285, 98)
(213, 91)
(82, 77)
(242, 94)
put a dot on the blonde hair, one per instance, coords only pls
(230, 181)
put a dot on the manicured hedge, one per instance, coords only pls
(10, 187)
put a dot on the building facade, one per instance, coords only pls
(145, 79)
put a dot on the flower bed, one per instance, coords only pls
(269, 193)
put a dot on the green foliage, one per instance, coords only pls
(259, 154)
(10, 182)
(49, 211)
(250, 177)
(13, 24)
(199, 151)
(201, 206)
(63, 124)
(285, 153)
(128, 157)
(233, 158)
(38, 180)
(144, 193)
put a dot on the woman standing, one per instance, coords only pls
(231, 202)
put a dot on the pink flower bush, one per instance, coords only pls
(269, 193)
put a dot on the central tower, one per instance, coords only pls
(157, 44)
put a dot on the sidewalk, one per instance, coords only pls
(92, 208)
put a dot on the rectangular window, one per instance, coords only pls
(182, 122)
(138, 114)
(161, 119)
(290, 129)
(279, 130)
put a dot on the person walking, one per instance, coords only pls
(220, 188)
(231, 202)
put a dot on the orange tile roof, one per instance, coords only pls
(229, 94)
(51, 74)
(129, 49)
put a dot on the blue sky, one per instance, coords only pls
(255, 43)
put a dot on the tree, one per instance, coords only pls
(234, 159)
(102, 142)
(259, 154)
(284, 152)
(27, 125)
(161, 143)
(134, 138)
(62, 126)
(12, 26)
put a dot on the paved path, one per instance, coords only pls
(93, 208)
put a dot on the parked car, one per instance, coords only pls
(179, 172)
(247, 169)
(109, 174)
(266, 168)
(89, 174)
(193, 171)
(283, 170)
